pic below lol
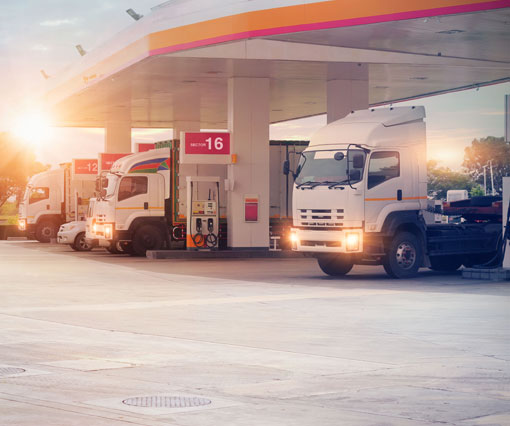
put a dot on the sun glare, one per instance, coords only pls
(32, 128)
(447, 157)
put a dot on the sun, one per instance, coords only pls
(33, 128)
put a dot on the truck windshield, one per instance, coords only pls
(327, 167)
(112, 183)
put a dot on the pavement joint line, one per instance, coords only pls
(197, 340)
(459, 392)
(297, 401)
(329, 294)
(61, 406)
(485, 415)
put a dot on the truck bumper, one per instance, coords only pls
(327, 241)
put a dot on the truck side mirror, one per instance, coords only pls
(286, 167)
(355, 175)
(358, 161)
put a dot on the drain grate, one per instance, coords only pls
(167, 401)
(7, 371)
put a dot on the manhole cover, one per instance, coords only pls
(7, 371)
(167, 401)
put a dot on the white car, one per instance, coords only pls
(73, 233)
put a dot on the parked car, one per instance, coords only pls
(73, 233)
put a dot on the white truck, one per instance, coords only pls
(55, 197)
(143, 202)
(359, 196)
(142, 205)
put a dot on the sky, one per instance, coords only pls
(41, 35)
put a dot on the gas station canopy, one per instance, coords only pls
(188, 50)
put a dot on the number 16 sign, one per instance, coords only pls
(205, 148)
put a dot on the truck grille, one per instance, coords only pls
(321, 217)
(309, 243)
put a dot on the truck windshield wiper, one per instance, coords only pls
(310, 183)
(340, 182)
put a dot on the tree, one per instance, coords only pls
(480, 153)
(476, 191)
(442, 179)
(17, 164)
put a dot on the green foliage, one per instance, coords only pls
(17, 164)
(442, 179)
(9, 214)
(476, 191)
(480, 153)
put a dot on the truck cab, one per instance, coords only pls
(40, 211)
(129, 215)
(360, 192)
(52, 198)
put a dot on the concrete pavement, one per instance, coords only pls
(244, 342)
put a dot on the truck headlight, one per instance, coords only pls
(108, 232)
(294, 240)
(22, 224)
(352, 240)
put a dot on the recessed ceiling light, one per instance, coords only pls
(133, 14)
(81, 50)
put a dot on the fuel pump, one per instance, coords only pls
(202, 213)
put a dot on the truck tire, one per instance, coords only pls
(147, 237)
(445, 263)
(115, 248)
(404, 256)
(335, 265)
(45, 231)
(80, 244)
(126, 247)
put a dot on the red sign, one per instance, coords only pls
(144, 147)
(107, 159)
(85, 166)
(251, 208)
(207, 143)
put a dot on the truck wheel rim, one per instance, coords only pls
(405, 255)
(47, 231)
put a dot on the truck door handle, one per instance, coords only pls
(399, 195)
(146, 206)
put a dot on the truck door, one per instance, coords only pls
(132, 200)
(385, 185)
(38, 202)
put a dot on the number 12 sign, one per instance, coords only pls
(205, 148)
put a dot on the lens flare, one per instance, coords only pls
(33, 128)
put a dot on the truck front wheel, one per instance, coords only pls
(404, 256)
(45, 231)
(147, 237)
(335, 265)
